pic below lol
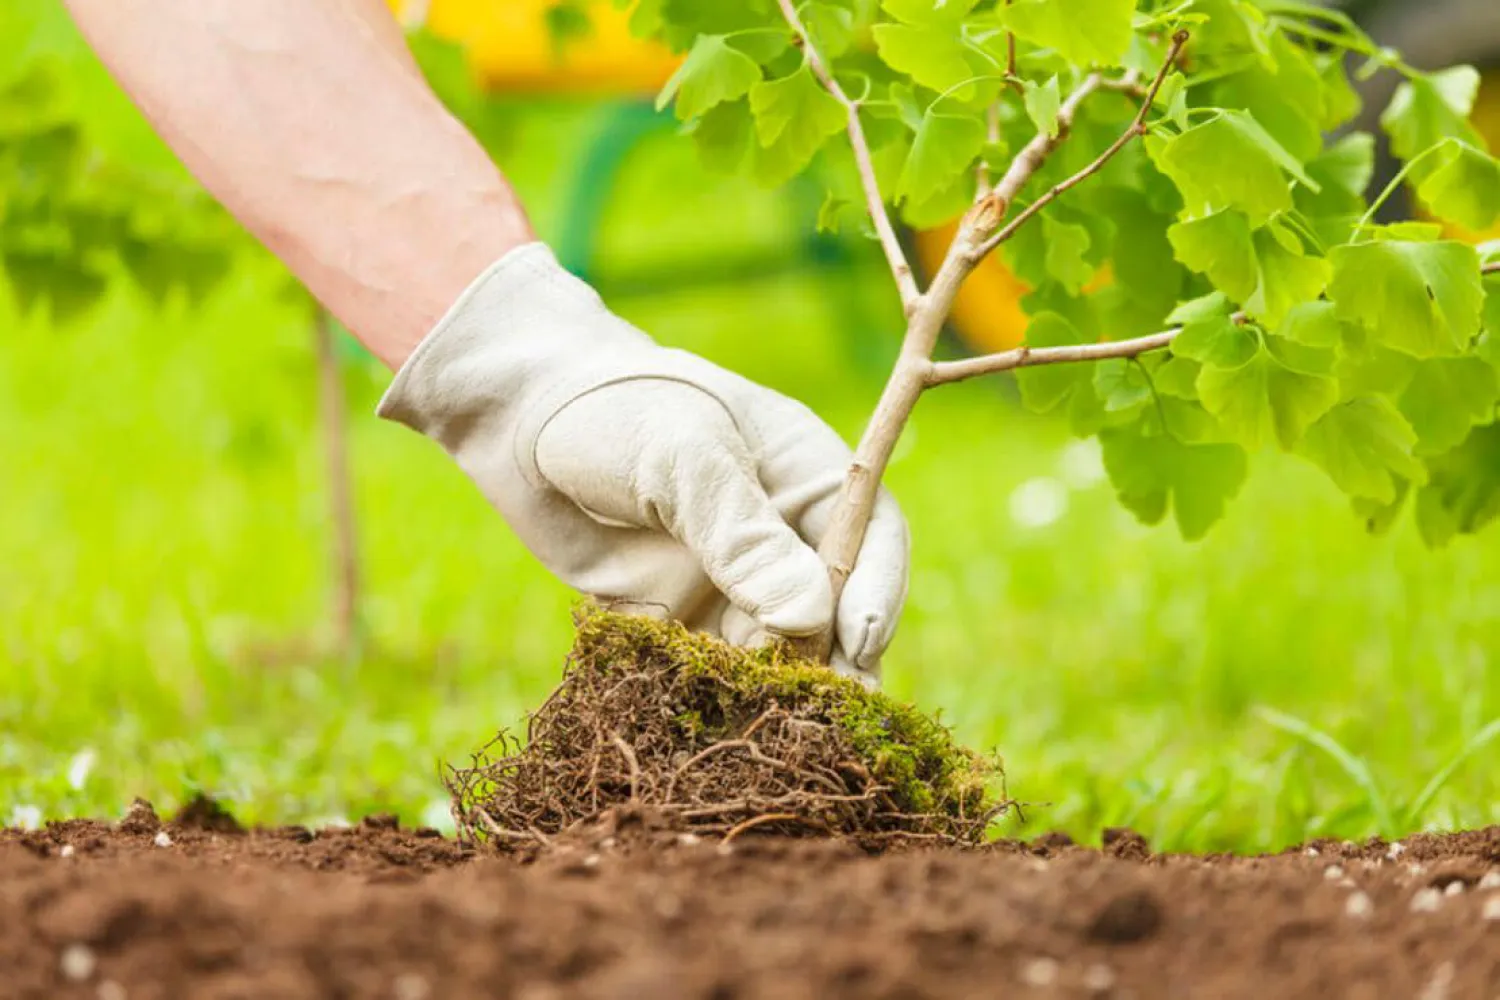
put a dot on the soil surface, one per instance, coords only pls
(198, 908)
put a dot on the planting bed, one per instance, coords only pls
(627, 908)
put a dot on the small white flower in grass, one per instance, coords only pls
(66, 851)
(1038, 502)
(1358, 905)
(26, 817)
(161, 839)
(1426, 901)
(1081, 464)
(77, 962)
(80, 767)
(1039, 972)
(1312, 852)
(1395, 850)
(1491, 909)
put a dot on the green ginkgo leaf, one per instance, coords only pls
(945, 146)
(1424, 299)
(1465, 187)
(712, 73)
(1264, 400)
(1365, 446)
(1083, 32)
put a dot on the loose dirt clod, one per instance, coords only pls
(140, 818)
(205, 813)
(722, 740)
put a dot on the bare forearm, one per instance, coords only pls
(308, 121)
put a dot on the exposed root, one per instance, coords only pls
(721, 740)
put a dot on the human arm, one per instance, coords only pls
(309, 122)
(637, 474)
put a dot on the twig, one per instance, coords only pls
(344, 553)
(944, 372)
(755, 821)
(1137, 127)
(635, 766)
(496, 830)
(760, 720)
(1128, 84)
(992, 136)
(1030, 159)
(1493, 267)
(906, 282)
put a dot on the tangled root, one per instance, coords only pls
(721, 740)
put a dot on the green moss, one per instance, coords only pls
(910, 752)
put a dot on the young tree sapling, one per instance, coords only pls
(1225, 273)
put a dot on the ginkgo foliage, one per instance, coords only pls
(1178, 184)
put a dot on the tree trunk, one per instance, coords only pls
(333, 428)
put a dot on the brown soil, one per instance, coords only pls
(627, 908)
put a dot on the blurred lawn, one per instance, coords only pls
(163, 570)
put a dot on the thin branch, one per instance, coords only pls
(1137, 127)
(991, 136)
(1010, 55)
(906, 282)
(1129, 84)
(943, 372)
(1030, 159)
(1493, 267)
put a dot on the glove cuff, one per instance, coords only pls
(506, 337)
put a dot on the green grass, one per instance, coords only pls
(163, 585)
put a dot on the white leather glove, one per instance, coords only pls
(642, 475)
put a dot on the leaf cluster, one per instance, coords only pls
(86, 203)
(1243, 219)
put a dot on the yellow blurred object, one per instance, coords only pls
(987, 312)
(513, 47)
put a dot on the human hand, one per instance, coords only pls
(647, 476)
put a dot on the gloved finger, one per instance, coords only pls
(805, 463)
(665, 454)
(870, 606)
(739, 628)
(841, 665)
